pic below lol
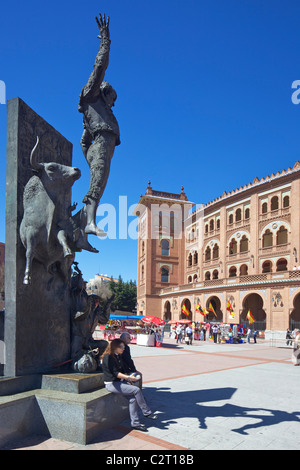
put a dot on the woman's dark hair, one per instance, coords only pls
(112, 346)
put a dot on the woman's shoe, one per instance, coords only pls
(141, 427)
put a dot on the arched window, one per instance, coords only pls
(190, 259)
(267, 267)
(281, 265)
(282, 236)
(264, 208)
(286, 201)
(233, 247)
(215, 251)
(165, 248)
(207, 254)
(211, 225)
(207, 276)
(189, 279)
(244, 243)
(232, 271)
(230, 219)
(142, 272)
(164, 275)
(247, 213)
(206, 228)
(238, 215)
(196, 257)
(243, 270)
(172, 223)
(143, 248)
(195, 278)
(215, 274)
(218, 224)
(274, 203)
(267, 239)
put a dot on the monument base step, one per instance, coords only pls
(73, 382)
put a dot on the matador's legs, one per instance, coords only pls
(98, 156)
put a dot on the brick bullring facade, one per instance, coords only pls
(243, 247)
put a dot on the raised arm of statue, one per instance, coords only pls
(92, 88)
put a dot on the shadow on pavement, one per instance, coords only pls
(172, 406)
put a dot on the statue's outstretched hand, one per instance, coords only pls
(103, 25)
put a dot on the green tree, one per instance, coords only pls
(125, 294)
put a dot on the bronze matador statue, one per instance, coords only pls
(101, 130)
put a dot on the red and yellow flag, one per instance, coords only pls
(185, 310)
(211, 309)
(250, 317)
(230, 309)
(201, 310)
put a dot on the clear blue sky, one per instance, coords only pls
(204, 94)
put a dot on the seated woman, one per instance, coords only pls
(116, 381)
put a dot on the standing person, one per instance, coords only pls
(116, 381)
(207, 326)
(178, 334)
(189, 333)
(248, 335)
(101, 130)
(215, 332)
(202, 334)
(296, 349)
(288, 337)
(219, 334)
(254, 335)
(182, 333)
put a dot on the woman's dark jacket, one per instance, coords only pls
(111, 366)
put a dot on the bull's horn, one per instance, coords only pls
(33, 160)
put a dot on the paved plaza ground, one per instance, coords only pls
(207, 396)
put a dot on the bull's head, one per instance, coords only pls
(54, 172)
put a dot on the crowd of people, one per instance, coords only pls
(215, 331)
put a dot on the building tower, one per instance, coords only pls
(161, 248)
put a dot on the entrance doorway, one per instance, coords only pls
(216, 304)
(254, 303)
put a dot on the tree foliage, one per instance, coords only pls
(125, 294)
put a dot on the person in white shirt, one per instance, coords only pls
(189, 333)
